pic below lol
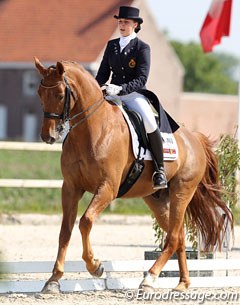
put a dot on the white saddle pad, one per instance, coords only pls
(170, 148)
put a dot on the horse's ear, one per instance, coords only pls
(41, 69)
(60, 68)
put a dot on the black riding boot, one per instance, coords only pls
(159, 177)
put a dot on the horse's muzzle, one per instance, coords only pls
(48, 139)
(49, 133)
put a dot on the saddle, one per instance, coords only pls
(167, 127)
(137, 166)
(138, 125)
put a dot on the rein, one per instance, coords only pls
(64, 116)
(97, 104)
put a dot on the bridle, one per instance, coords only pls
(66, 108)
(64, 116)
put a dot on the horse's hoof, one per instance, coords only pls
(98, 272)
(51, 288)
(146, 288)
(181, 287)
(149, 283)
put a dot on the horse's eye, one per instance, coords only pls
(60, 97)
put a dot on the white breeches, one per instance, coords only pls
(138, 102)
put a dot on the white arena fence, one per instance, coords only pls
(123, 274)
(30, 183)
(38, 146)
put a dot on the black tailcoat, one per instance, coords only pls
(130, 68)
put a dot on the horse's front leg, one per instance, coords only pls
(99, 202)
(70, 198)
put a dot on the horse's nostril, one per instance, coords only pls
(51, 140)
(48, 139)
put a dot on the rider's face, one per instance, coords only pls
(126, 26)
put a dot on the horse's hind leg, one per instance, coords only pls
(184, 281)
(70, 200)
(172, 222)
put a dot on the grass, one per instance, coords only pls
(30, 164)
(48, 201)
(45, 165)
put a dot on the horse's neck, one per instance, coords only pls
(88, 126)
(90, 102)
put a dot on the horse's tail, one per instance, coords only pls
(208, 212)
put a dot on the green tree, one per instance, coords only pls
(209, 73)
(228, 154)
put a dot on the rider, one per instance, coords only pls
(128, 58)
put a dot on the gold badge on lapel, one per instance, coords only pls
(132, 63)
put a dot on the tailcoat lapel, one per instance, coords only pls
(117, 54)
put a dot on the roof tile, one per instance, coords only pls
(55, 30)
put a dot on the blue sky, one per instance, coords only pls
(182, 19)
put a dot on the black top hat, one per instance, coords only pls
(129, 12)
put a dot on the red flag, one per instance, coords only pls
(216, 24)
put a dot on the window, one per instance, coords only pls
(29, 127)
(3, 122)
(30, 83)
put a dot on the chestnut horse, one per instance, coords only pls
(96, 157)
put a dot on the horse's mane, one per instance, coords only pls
(69, 63)
(72, 65)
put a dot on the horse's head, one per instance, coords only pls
(56, 100)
